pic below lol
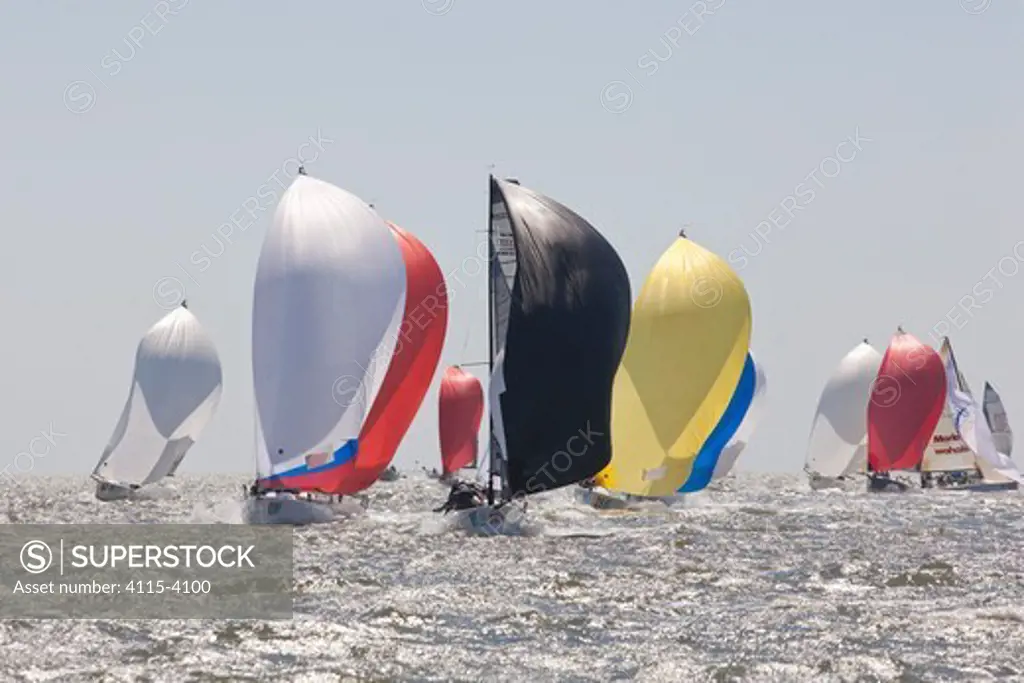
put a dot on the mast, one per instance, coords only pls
(490, 333)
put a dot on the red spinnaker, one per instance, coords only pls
(460, 410)
(417, 354)
(907, 398)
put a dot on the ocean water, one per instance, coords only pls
(757, 580)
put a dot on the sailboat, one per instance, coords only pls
(558, 310)
(727, 460)
(998, 423)
(175, 390)
(948, 462)
(687, 349)
(460, 411)
(330, 296)
(998, 471)
(907, 400)
(837, 447)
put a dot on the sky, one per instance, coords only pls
(856, 163)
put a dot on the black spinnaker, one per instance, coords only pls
(560, 312)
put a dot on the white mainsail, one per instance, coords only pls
(175, 391)
(727, 459)
(970, 423)
(840, 423)
(998, 423)
(328, 300)
(947, 451)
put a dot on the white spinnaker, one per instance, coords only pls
(175, 391)
(947, 451)
(728, 456)
(329, 293)
(998, 422)
(973, 429)
(840, 423)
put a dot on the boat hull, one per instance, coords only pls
(993, 486)
(489, 520)
(600, 499)
(292, 510)
(890, 484)
(109, 492)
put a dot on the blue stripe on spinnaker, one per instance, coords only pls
(739, 404)
(345, 453)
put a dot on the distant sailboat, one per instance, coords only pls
(460, 411)
(948, 461)
(687, 349)
(739, 441)
(176, 387)
(328, 301)
(998, 422)
(836, 448)
(558, 315)
(998, 471)
(906, 403)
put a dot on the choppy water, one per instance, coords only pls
(760, 580)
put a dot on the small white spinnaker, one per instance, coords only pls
(175, 390)
(840, 424)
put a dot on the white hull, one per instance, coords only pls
(488, 520)
(286, 508)
(848, 483)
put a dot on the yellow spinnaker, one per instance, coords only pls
(688, 341)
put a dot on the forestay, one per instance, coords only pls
(175, 391)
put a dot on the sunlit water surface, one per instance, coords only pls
(758, 580)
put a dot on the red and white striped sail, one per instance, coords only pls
(460, 411)
(906, 402)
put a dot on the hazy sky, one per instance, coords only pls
(133, 131)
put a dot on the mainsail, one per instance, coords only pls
(328, 299)
(414, 360)
(739, 441)
(175, 391)
(998, 423)
(728, 425)
(840, 422)
(971, 425)
(906, 402)
(947, 452)
(687, 347)
(460, 410)
(559, 309)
